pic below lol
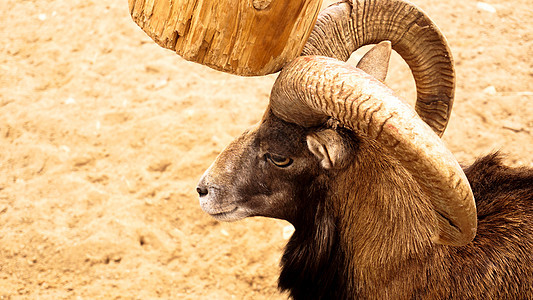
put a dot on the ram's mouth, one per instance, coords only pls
(234, 214)
(224, 213)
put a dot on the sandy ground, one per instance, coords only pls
(103, 136)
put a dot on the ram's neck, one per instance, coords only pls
(363, 224)
(383, 218)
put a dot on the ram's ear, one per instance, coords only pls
(376, 61)
(329, 147)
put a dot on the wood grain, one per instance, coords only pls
(245, 37)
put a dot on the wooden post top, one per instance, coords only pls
(242, 37)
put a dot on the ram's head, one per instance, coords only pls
(327, 122)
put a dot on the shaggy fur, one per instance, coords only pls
(382, 258)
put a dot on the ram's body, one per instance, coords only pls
(359, 244)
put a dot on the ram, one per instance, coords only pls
(381, 208)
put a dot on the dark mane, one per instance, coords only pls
(312, 266)
(492, 182)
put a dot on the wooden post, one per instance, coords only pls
(243, 37)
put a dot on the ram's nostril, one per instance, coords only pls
(202, 191)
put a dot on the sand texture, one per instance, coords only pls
(104, 135)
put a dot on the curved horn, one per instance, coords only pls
(313, 89)
(344, 27)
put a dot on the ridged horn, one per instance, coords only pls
(344, 27)
(312, 89)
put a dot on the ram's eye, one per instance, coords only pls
(278, 160)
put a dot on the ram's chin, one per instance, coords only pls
(228, 214)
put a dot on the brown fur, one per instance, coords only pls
(363, 231)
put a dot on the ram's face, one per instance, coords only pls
(259, 173)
